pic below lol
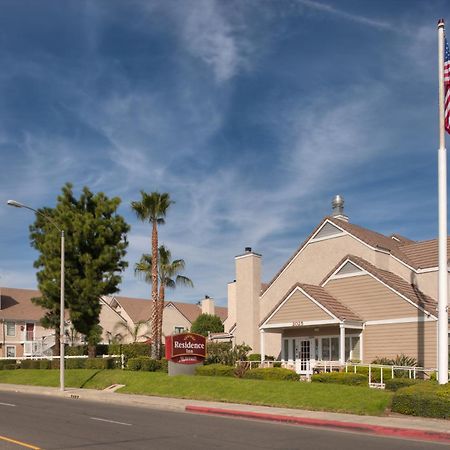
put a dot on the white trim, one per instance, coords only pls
(346, 275)
(384, 284)
(9, 322)
(303, 324)
(402, 320)
(298, 288)
(6, 351)
(324, 238)
(247, 255)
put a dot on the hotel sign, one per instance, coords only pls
(186, 348)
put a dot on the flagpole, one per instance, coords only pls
(442, 192)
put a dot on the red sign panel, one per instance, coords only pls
(186, 348)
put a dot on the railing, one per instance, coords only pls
(385, 371)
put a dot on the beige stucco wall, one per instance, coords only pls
(370, 299)
(297, 308)
(173, 318)
(314, 262)
(109, 320)
(231, 319)
(248, 287)
(417, 339)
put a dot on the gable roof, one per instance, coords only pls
(416, 255)
(393, 281)
(321, 296)
(141, 309)
(16, 305)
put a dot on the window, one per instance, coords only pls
(352, 347)
(10, 351)
(179, 330)
(10, 328)
(294, 350)
(334, 348)
(330, 349)
(286, 349)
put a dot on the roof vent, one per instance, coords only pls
(248, 249)
(338, 208)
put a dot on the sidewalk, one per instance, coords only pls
(406, 427)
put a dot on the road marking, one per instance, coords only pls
(111, 421)
(6, 404)
(23, 444)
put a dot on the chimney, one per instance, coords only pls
(337, 205)
(208, 305)
(246, 292)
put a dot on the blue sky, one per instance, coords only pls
(252, 114)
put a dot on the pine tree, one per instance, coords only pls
(95, 246)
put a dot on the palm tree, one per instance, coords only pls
(134, 330)
(153, 208)
(169, 277)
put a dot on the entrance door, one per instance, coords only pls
(304, 354)
(29, 336)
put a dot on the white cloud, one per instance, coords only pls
(209, 35)
(329, 9)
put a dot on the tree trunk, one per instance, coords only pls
(155, 343)
(56, 348)
(160, 317)
(92, 351)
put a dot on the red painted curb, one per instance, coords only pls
(406, 433)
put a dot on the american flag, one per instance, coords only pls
(447, 87)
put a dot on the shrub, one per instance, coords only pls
(45, 364)
(215, 370)
(76, 350)
(144, 363)
(396, 383)
(254, 357)
(277, 364)
(130, 350)
(10, 367)
(272, 374)
(7, 362)
(30, 364)
(225, 353)
(164, 365)
(76, 363)
(375, 373)
(426, 399)
(354, 379)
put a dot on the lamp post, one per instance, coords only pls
(61, 317)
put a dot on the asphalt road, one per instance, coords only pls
(30, 421)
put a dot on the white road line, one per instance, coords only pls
(110, 421)
(7, 404)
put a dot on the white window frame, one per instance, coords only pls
(9, 323)
(8, 347)
(179, 329)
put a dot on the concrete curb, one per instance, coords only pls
(405, 433)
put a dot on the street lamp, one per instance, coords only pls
(61, 317)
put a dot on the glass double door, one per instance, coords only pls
(304, 355)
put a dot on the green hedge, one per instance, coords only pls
(130, 350)
(272, 374)
(354, 379)
(427, 399)
(144, 363)
(395, 384)
(215, 370)
(75, 363)
(7, 363)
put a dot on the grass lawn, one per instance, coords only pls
(290, 394)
